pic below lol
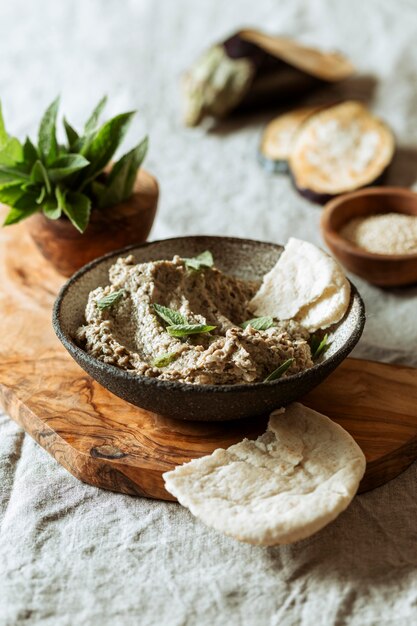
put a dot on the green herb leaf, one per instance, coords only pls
(100, 149)
(183, 330)
(71, 133)
(77, 207)
(66, 165)
(30, 154)
(40, 175)
(11, 194)
(205, 259)
(47, 143)
(165, 359)
(41, 196)
(276, 374)
(23, 207)
(92, 121)
(169, 315)
(121, 180)
(110, 300)
(11, 151)
(318, 347)
(259, 323)
(12, 176)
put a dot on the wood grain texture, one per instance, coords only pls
(107, 442)
(109, 229)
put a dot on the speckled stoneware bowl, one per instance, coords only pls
(240, 257)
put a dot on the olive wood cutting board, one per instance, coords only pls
(107, 442)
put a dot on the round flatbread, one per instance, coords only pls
(284, 486)
(303, 276)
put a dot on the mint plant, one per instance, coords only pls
(68, 179)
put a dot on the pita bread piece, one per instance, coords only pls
(303, 276)
(284, 486)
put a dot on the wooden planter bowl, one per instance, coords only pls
(109, 229)
(385, 270)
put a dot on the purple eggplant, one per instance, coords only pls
(252, 69)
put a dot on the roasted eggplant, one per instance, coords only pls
(255, 69)
(338, 150)
(278, 136)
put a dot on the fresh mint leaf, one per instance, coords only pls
(51, 209)
(71, 133)
(169, 315)
(77, 207)
(276, 374)
(41, 196)
(23, 207)
(183, 330)
(318, 346)
(121, 180)
(12, 176)
(11, 194)
(66, 165)
(92, 121)
(259, 323)
(11, 151)
(30, 154)
(100, 149)
(203, 260)
(165, 359)
(110, 299)
(47, 143)
(40, 175)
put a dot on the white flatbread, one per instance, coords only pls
(300, 278)
(284, 486)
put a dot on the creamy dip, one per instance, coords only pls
(132, 336)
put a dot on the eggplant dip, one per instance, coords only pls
(184, 320)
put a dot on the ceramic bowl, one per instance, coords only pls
(240, 257)
(385, 270)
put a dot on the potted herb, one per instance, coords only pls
(80, 205)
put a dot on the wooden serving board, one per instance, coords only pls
(107, 442)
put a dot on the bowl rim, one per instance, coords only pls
(334, 236)
(120, 374)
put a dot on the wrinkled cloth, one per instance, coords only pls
(72, 554)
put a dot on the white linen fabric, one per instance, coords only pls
(71, 554)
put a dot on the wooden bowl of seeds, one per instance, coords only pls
(373, 233)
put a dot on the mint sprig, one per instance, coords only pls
(165, 359)
(277, 373)
(110, 299)
(69, 179)
(203, 260)
(259, 323)
(318, 346)
(178, 325)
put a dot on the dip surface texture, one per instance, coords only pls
(130, 334)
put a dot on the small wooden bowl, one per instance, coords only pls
(385, 270)
(109, 229)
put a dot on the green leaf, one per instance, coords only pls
(11, 151)
(10, 195)
(16, 215)
(12, 176)
(183, 330)
(110, 300)
(318, 347)
(92, 121)
(41, 196)
(40, 175)
(77, 207)
(259, 323)
(205, 259)
(71, 133)
(165, 359)
(169, 315)
(23, 207)
(30, 153)
(100, 149)
(276, 374)
(66, 165)
(52, 208)
(47, 143)
(122, 177)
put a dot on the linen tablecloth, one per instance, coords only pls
(71, 554)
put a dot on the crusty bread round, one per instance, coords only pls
(305, 284)
(284, 486)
